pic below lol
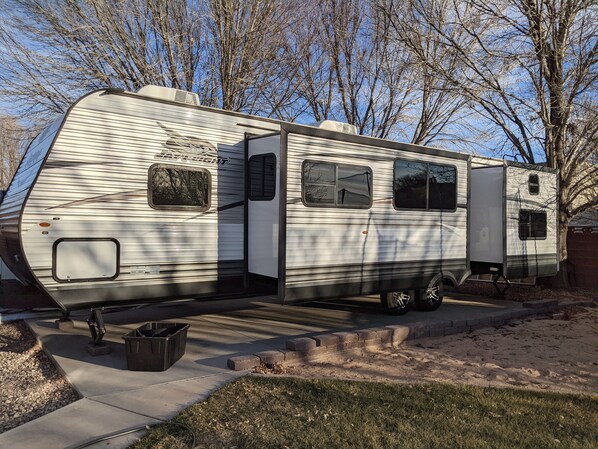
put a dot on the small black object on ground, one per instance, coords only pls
(155, 346)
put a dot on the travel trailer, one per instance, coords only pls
(149, 196)
(514, 220)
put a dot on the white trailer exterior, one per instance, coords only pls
(514, 224)
(139, 197)
(325, 249)
(93, 216)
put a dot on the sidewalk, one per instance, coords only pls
(115, 399)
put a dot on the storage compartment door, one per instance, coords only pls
(85, 260)
(263, 198)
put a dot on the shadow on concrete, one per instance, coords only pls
(73, 347)
(181, 309)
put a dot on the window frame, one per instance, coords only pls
(262, 198)
(529, 211)
(83, 239)
(335, 205)
(180, 207)
(427, 208)
(529, 184)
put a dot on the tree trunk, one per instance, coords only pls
(564, 266)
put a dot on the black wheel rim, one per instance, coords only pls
(433, 294)
(400, 300)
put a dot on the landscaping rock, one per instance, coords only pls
(31, 385)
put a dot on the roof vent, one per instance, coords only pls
(332, 125)
(170, 94)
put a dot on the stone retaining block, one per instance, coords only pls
(384, 335)
(314, 348)
(548, 304)
(301, 344)
(400, 333)
(347, 340)
(437, 332)
(243, 362)
(456, 329)
(308, 355)
(419, 329)
(270, 357)
(366, 335)
(326, 340)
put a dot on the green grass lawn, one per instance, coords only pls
(282, 412)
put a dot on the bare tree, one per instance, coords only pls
(248, 44)
(313, 83)
(51, 52)
(530, 67)
(371, 73)
(11, 148)
(438, 105)
(229, 51)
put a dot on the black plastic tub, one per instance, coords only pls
(155, 346)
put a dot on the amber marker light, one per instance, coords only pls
(44, 224)
(364, 232)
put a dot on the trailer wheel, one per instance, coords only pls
(397, 303)
(429, 299)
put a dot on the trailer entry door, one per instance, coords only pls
(264, 177)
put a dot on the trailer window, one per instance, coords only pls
(175, 187)
(410, 185)
(532, 225)
(262, 177)
(442, 190)
(534, 184)
(337, 185)
(419, 185)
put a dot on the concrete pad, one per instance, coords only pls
(166, 400)
(105, 374)
(72, 425)
(219, 330)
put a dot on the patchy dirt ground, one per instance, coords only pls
(558, 353)
(30, 384)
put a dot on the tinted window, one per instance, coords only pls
(319, 183)
(532, 225)
(262, 177)
(319, 173)
(172, 187)
(354, 186)
(410, 184)
(534, 184)
(419, 185)
(442, 193)
(337, 185)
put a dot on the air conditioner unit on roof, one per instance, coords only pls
(332, 125)
(169, 94)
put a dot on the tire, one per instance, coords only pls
(429, 299)
(397, 303)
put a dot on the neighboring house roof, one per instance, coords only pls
(586, 218)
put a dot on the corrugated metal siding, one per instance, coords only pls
(321, 242)
(12, 203)
(95, 182)
(530, 257)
